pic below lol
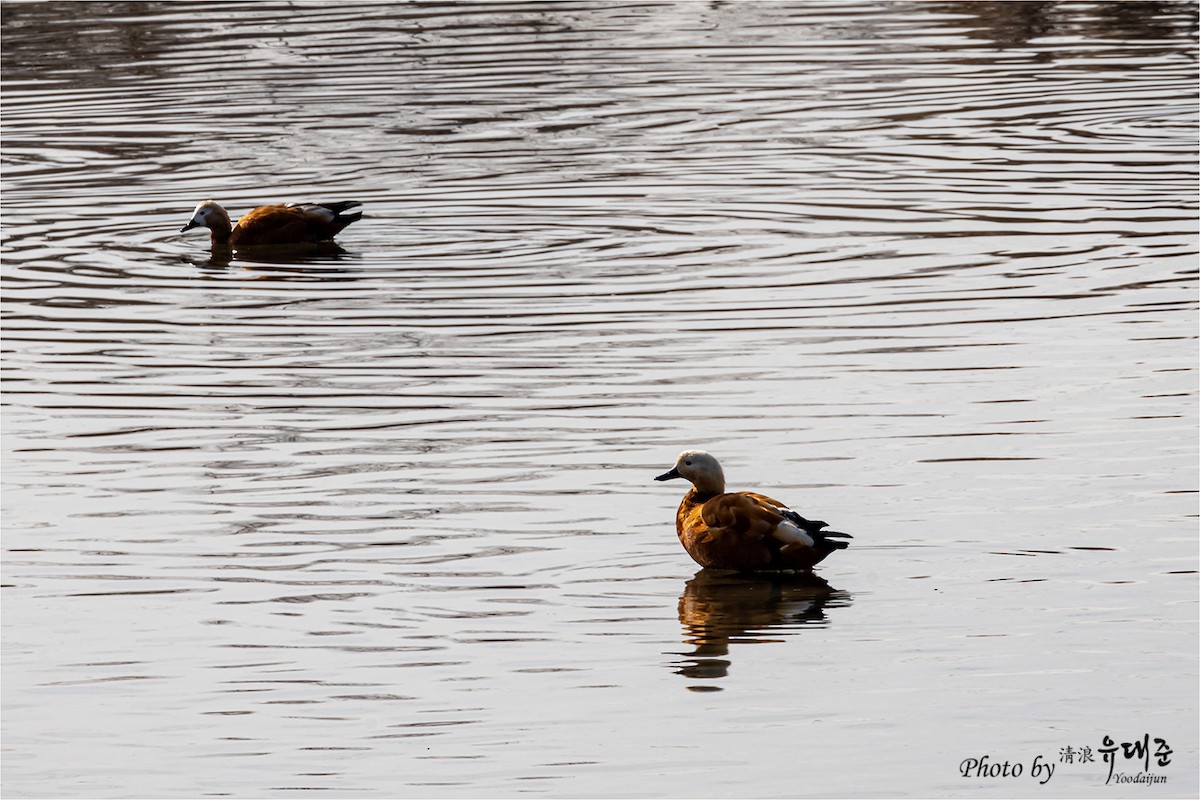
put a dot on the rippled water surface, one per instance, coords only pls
(380, 521)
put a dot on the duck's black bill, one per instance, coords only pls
(666, 476)
(188, 227)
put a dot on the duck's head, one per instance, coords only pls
(208, 214)
(700, 468)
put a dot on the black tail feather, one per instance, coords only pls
(826, 538)
(835, 534)
(338, 208)
(808, 525)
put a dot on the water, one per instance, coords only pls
(380, 522)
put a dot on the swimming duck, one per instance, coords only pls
(743, 531)
(283, 223)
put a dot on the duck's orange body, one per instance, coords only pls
(279, 224)
(743, 531)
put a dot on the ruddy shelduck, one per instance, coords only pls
(743, 531)
(280, 224)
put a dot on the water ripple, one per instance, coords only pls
(928, 268)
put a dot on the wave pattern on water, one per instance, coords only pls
(929, 268)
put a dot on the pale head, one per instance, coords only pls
(700, 468)
(208, 214)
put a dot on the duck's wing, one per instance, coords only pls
(291, 223)
(742, 513)
(275, 224)
(730, 531)
(756, 514)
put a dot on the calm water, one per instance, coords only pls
(381, 522)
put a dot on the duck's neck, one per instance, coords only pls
(220, 228)
(710, 482)
(695, 497)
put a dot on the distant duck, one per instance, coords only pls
(281, 224)
(743, 531)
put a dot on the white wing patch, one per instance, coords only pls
(314, 211)
(789, 532)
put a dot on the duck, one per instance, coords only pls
(743, 531)
(279, 224)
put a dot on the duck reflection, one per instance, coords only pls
(719, 608)
(308, 257)
(1149, 24)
